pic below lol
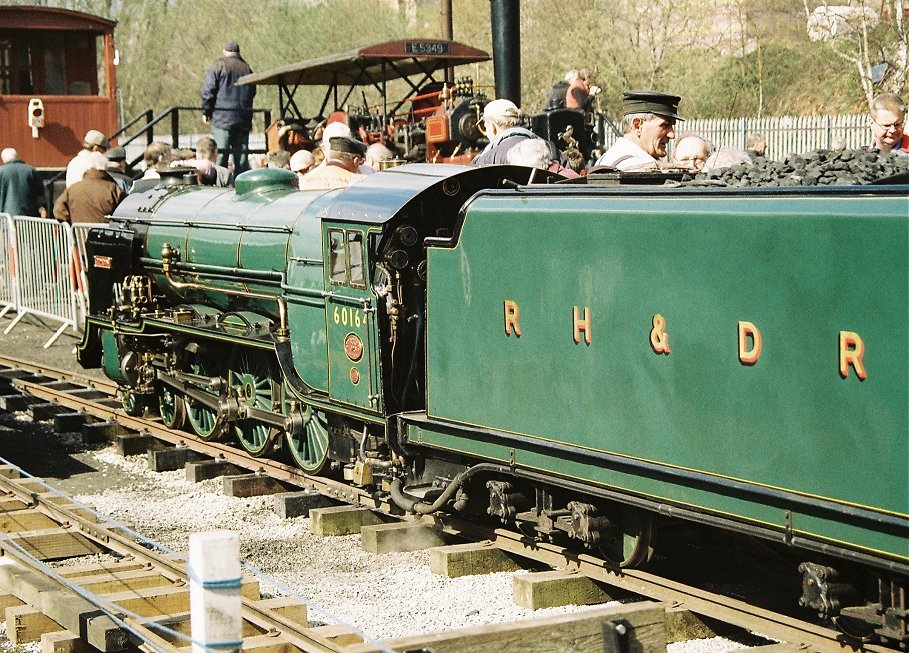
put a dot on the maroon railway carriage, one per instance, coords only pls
(57, 81)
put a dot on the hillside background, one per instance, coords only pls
(726, 58)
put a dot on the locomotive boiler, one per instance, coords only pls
(586, 361)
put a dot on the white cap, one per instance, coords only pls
(8, 154)
(301, 159)
(335, 129)
(94, 137)
(501, 109)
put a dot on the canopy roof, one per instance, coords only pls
(20, 17)
(371, 64)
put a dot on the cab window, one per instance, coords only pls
(337, 256)
(345, 259)
(355, 254)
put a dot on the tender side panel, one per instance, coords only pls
(638, 320)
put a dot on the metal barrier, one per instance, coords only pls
(43, 272)
(8, 299)
(80, 266)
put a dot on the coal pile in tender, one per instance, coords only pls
(815, 168)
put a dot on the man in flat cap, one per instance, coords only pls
(648, 126)
(339, 170)
(502, 126)
(228, 107)
(116, 168)
(94, 141)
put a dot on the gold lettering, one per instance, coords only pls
(852, 350)
(512, 312)
(582, 325)
(749, 356)
(659, 339)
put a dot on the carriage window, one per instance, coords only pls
(337, 263)
(355, 251)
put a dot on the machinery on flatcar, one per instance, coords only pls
(587, 362)
(435, 118)
(57, 81)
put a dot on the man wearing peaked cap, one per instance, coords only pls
(647, 126)
(339, 169)
(116, 168)
(347, 145)
(94, 138)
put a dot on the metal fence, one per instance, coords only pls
(7, 265)
(39, 259)
(785, 134)
(80, 265)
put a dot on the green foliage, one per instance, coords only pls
(795, 82)
(760, 61)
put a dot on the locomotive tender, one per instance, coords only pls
(588, 362)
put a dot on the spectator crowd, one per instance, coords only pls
(326, 154)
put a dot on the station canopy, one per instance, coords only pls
(416, 61)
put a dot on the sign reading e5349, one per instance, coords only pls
(427, 47)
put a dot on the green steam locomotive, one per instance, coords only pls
(588, 361)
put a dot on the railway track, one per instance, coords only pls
(96, 399)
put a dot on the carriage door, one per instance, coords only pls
(353, 368)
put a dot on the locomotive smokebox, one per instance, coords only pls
(506, 48)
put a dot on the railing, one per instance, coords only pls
(7, 265)
(39, 264)
(170, 116)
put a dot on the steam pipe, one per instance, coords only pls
(413, 504)
(167, 256)
(506, 48)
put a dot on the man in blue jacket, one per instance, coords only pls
(21, 187)
(228, 107)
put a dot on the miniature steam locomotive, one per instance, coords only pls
(587, 361)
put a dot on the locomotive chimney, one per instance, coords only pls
(506, 48)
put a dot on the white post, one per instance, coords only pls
(214, 592)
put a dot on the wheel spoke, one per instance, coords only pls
(309, 449)
(204, 420)
(171, 407)
(251, 381)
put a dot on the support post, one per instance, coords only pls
(214, 592)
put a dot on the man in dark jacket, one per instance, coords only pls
(228, 107)
(21, 187)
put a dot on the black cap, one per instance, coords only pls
(315, 122)
(232, 46)
(344, 144)
(116, 154)
(661, 104)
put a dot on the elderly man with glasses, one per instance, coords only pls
(888, 118)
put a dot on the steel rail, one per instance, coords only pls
(106, 536)
(102, 385)
(725, 609)
(271, 468)
(728, 610)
